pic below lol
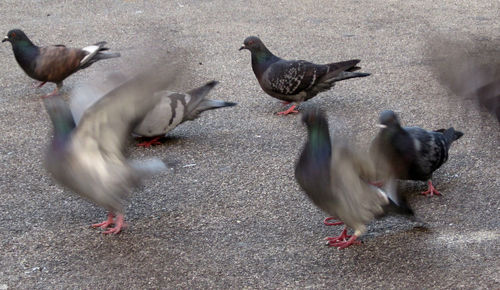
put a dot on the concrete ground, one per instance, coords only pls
(230, 214)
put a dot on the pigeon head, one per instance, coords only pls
(16, 36)
(60, 116)
(388, 119)
(254, 44)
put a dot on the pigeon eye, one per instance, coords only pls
(13, 34)
(250, 42)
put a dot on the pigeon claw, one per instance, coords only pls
(149, 143)
(118, 222)
(290, 110)
(342, 238)
(344, 244)
(328, 223)
(431, 191)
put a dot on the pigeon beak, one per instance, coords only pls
(5, 39)
(382, 126)
(242, 47)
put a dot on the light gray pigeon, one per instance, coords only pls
(411, 153)
(90, 158)
(295, 81)
(172, 109)
(335, 177)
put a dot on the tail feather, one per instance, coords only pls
(213, 104)
(397, 202)
(450, 134)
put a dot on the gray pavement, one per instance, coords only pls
(230, 215)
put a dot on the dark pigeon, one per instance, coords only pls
(411, 153)
(295, 81)
(335, 177)
(172, 109)
(90, 158)
(53, 63)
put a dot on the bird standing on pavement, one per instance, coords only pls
(335, 177)
(172, 109)
(411, 153)
(295, 81)
(56, 62)
(89, 158)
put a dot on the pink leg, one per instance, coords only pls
(55, 92)
(105, 224)
(150, 142)
(431, 190)
(328, 223)
(119, 225)
(39, 85)
(289, 111)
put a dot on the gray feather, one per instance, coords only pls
(90, 159)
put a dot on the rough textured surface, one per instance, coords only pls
(231, 213)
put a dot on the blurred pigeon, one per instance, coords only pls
(469, 72)
(171, 110)
(89, 158)
(411, 153)
(295, 80)
(53, 63)
(335, 178)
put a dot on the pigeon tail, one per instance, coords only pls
(214, 104)
(96, 53)
(450, 134)
(345, 75)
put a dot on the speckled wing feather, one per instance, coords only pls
(292, 77)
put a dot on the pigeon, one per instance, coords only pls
(295, 81)
(53, 63)
(335, 177)
(469, 72)
(172, 109)
(411, 153)
(89, 158)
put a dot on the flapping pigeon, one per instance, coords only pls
(335, 178)
(90, 158)
(53, 63)
(411, 153)
(295, 81)
(172, 109)
(469, 72)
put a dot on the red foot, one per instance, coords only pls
(342, 238)
(119, 224)
(150, 142)
(327, 223)
(431, 190)
(289, 111)
(344, 244)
